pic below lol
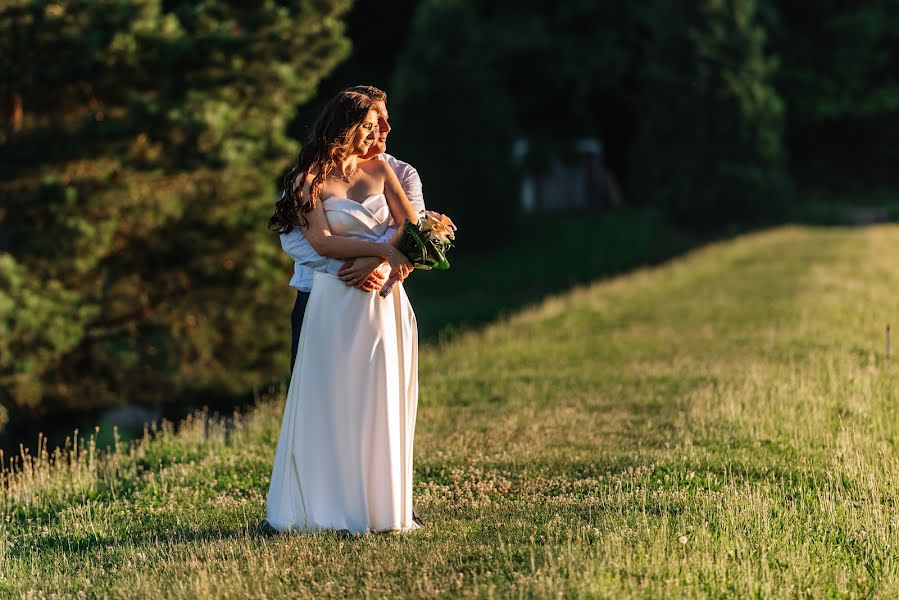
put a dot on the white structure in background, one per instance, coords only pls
(579, 184)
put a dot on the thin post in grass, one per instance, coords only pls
(889, 345)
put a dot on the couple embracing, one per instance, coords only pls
(344, 455)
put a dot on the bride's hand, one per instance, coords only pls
(399, 264)
(402, 274)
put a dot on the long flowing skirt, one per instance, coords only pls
(344, 455)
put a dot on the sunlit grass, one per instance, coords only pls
(723, 425)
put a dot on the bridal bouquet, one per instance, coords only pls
(424, 244)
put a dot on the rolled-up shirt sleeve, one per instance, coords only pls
(305, 259)
(297, 247)
(411, 184)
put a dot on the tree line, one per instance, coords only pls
(142, 143)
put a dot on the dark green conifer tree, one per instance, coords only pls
(139, 149)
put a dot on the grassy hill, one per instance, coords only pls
(723, 425)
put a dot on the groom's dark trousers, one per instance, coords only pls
(296, 322)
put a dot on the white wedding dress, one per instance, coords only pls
(344, 456)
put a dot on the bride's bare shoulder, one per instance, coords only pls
(304, 184)
(374, 167)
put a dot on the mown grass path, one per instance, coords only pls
(724, 425)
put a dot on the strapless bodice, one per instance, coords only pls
(366, 220)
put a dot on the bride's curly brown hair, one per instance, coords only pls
(328, 143)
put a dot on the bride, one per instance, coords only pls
(344, 454)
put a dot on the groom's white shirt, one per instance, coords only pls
(307, 261)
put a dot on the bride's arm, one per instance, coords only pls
(400, 207)
(326, 244)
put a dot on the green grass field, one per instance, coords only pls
(724, 425)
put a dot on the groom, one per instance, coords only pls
(362, 270)
(359, 272)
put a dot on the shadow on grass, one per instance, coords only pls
(547, 255)
(91, 542)
(553, 253)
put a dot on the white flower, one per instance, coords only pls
(438, 227)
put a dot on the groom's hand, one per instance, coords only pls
(363, 273)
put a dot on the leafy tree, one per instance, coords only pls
(379, 31)
(839, 84)
(453, 121)
(838, 59)
(477, 76)
(137, 159)
(709, 146)
(681, 94)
